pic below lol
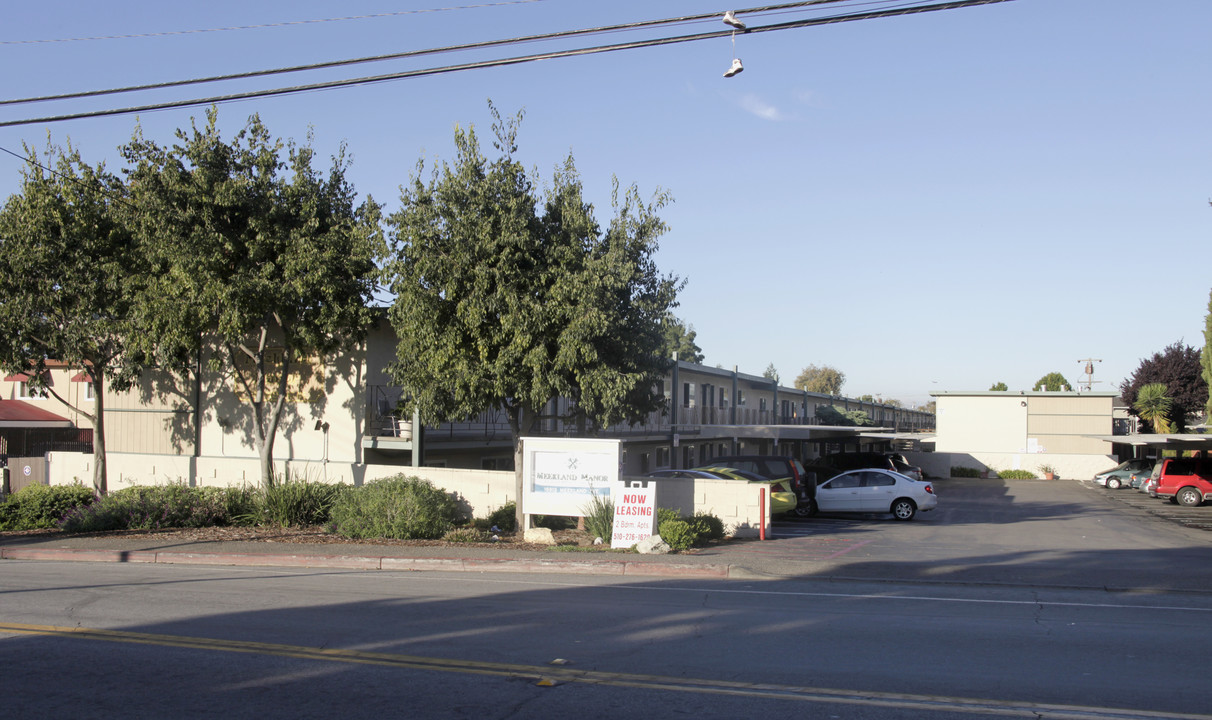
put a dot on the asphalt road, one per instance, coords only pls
(991, 606)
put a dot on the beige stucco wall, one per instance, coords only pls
(1053, 423)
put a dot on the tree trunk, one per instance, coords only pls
(100, 479)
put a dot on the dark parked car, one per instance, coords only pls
(776, 467)
(872, 461)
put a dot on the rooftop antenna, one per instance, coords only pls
(1088, 383)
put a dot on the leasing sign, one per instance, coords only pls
(561, 476)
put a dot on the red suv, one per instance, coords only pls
(1187, 481)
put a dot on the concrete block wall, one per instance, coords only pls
(736, 503)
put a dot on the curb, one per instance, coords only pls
(625, 568)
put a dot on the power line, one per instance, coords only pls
(288, 23)
(414, 53)
(796, 24)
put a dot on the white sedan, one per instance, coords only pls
(876, 491)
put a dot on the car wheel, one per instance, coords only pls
(804, 510)
(1113, 483)
(904, 509)
(1189, 497)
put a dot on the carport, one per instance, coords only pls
(1161, 442)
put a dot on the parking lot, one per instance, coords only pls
(1198, 518)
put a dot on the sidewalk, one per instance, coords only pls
(363, 557)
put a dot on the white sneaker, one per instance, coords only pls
(730, 19)
(736, 68)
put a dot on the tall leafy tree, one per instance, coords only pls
(679, 338)
(999, 387)
(501, 305)
(261, 258)
(771, 373)
(1178, 367)
(824, 379)
(1153, 406)
(1205, 361)
(1052, 382)
(70, 280)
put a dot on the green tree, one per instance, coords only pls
(501, 306)
(824, 379)
(679, 338)
(260, 258)
(1052, 382)
(999, 387)
(1153, 405)
(70, 280)
(1205, 360)
(771, 373)
(1179, 368)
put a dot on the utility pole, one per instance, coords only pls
(1089, 372)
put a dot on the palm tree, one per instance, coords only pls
(1152, 404)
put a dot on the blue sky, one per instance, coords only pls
(932, 202)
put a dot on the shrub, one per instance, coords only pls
(42, 506)
(1016, 475)
(664, 514)
(152, 507)
(467, 535)
(677, 533)
(966, 472)
(298, 502)
(706, 527)
(553, 522)
(504, 517)
(599, 517)
(398, 507)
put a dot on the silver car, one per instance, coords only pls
(876, 491)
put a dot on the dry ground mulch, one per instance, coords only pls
(312, 535)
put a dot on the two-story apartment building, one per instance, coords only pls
(340, 423)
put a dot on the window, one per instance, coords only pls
(687, 394)
(88, 392)
(740, 397)
(23, 390)
(663, 457)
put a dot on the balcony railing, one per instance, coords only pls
(493, 425)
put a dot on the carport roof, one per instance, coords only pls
(1170, 441)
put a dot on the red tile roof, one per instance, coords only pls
(15, 413)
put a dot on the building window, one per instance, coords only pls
(23, 390)
(662, 457)
(740, 397)
(88, 392)
(687, 395)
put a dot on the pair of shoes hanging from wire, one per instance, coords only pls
(736, 67)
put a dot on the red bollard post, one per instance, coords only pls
(762, 514)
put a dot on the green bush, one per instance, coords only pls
(1016, 475)
(153, 507)
(664, 514)
(706, 527)
(296, 502)
(504, 517)
(42, 506)
(599, 517)
(677, 533)
(398, 507)
(965, 472)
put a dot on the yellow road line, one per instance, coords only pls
(565, 674)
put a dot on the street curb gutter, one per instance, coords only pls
(356, 562)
